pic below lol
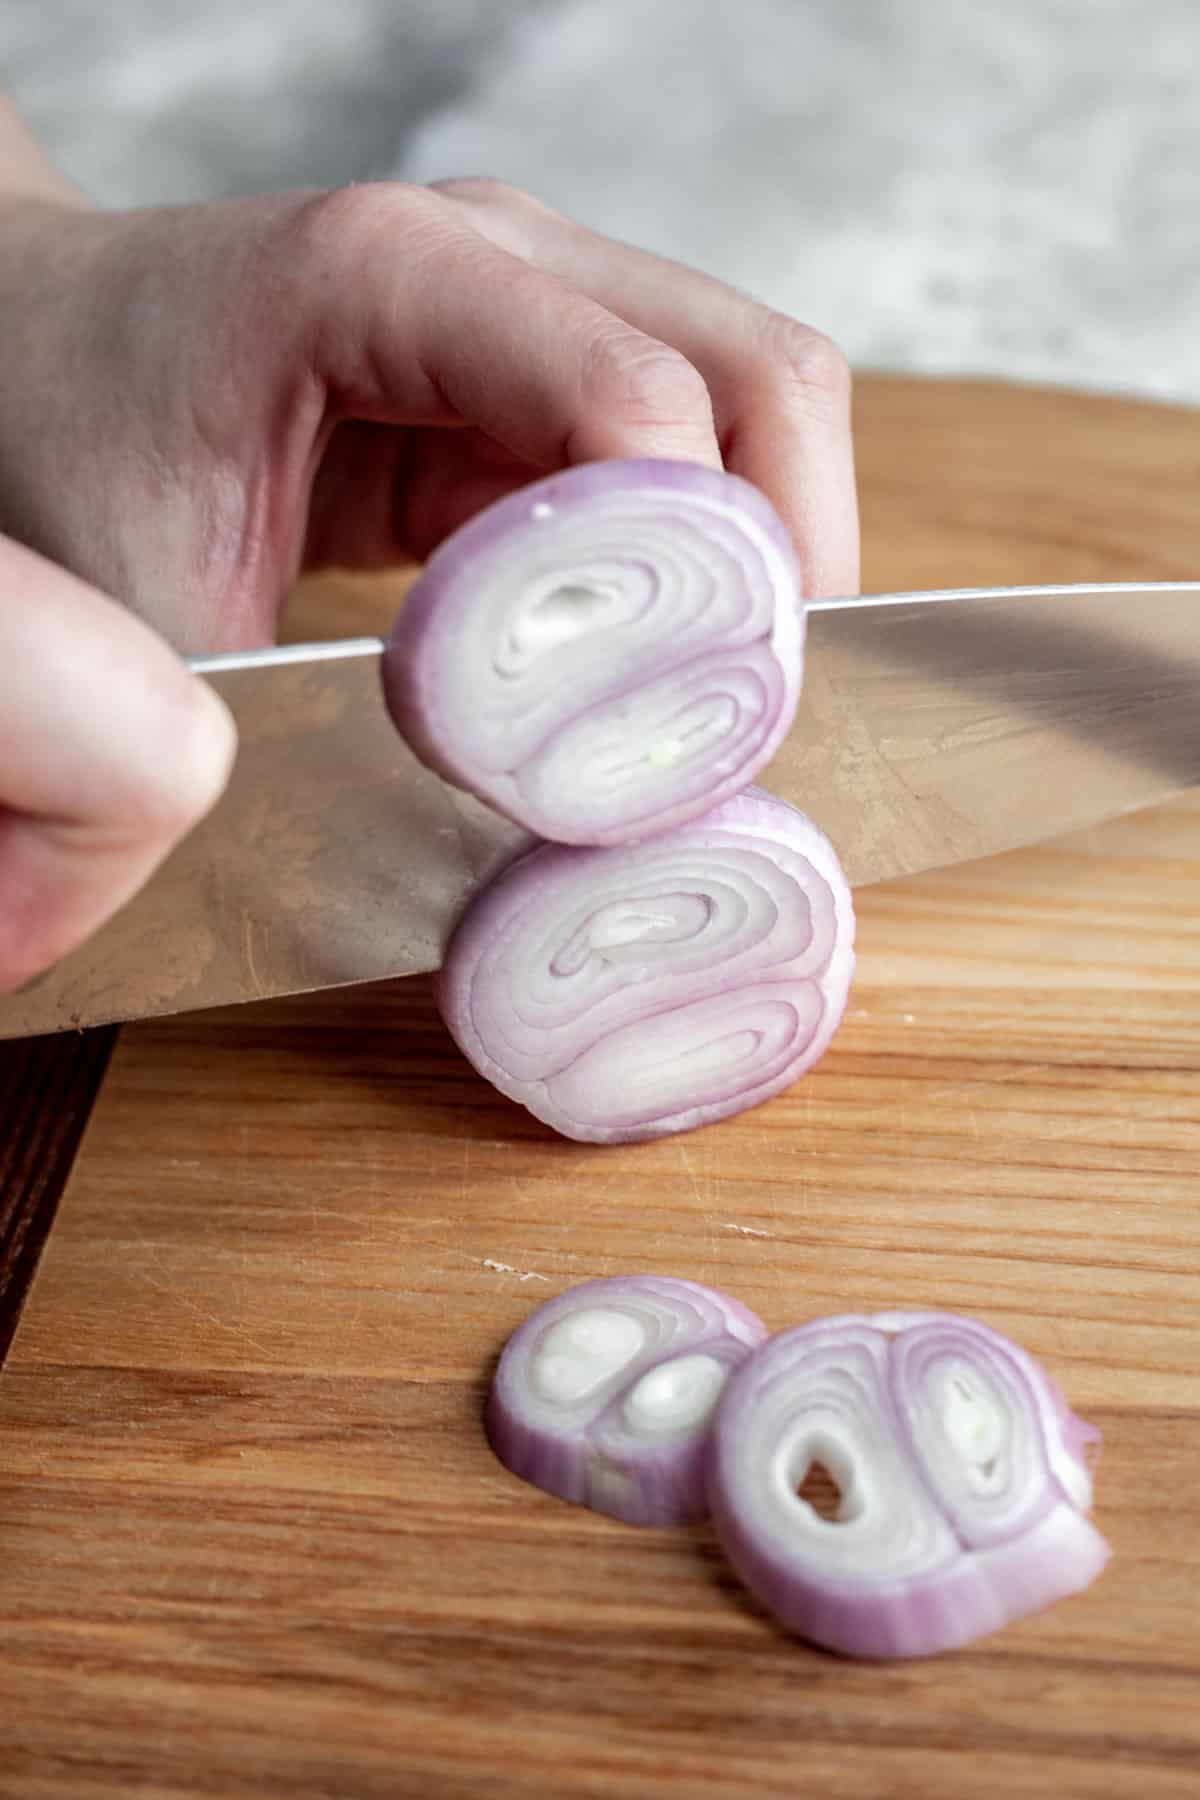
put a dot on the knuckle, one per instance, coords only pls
(645, 383)
(809, 365)
(507, 215)
(335, 224)
(481, 190)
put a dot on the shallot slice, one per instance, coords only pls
(604, 1395)
(626, 994)
(961, 1473)
(605, 654)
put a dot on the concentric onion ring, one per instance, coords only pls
(961, 1472)
(606, 654)
(626, 994)
(604, 1395)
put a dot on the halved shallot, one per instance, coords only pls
(626, 994)
(605, 654)
(961, 1476)
(604, 1395)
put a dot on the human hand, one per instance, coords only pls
(200, 401)
(110, 751)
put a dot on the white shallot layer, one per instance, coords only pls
(961, 1474)
(626, 994)
(607, 653)
(604, 1395)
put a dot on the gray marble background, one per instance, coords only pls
(1010, 188)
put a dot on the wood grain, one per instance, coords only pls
(252, 1541)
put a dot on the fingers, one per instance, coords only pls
(109, 752)
(441, 325)
(780, 392)
(382, 495)
(474, 305)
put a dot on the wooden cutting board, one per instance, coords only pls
(252, 1541)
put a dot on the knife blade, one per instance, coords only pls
(933, 729)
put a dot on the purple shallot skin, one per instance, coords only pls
(626, 994)
(603, 1395)
(605, 654)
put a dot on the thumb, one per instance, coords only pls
(110, 751)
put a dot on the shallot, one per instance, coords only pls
(606, 654)
(626, 994)
(604, 1395)
(961, 1474)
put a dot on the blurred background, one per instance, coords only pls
(1008, 189)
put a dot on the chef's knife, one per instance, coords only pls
(933, 728)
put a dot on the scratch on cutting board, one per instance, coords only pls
(690, 1171)
(248, 946)
(489, 1262)
(203, 1313)
(745, 1230)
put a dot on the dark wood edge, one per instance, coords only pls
(48, 1086)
